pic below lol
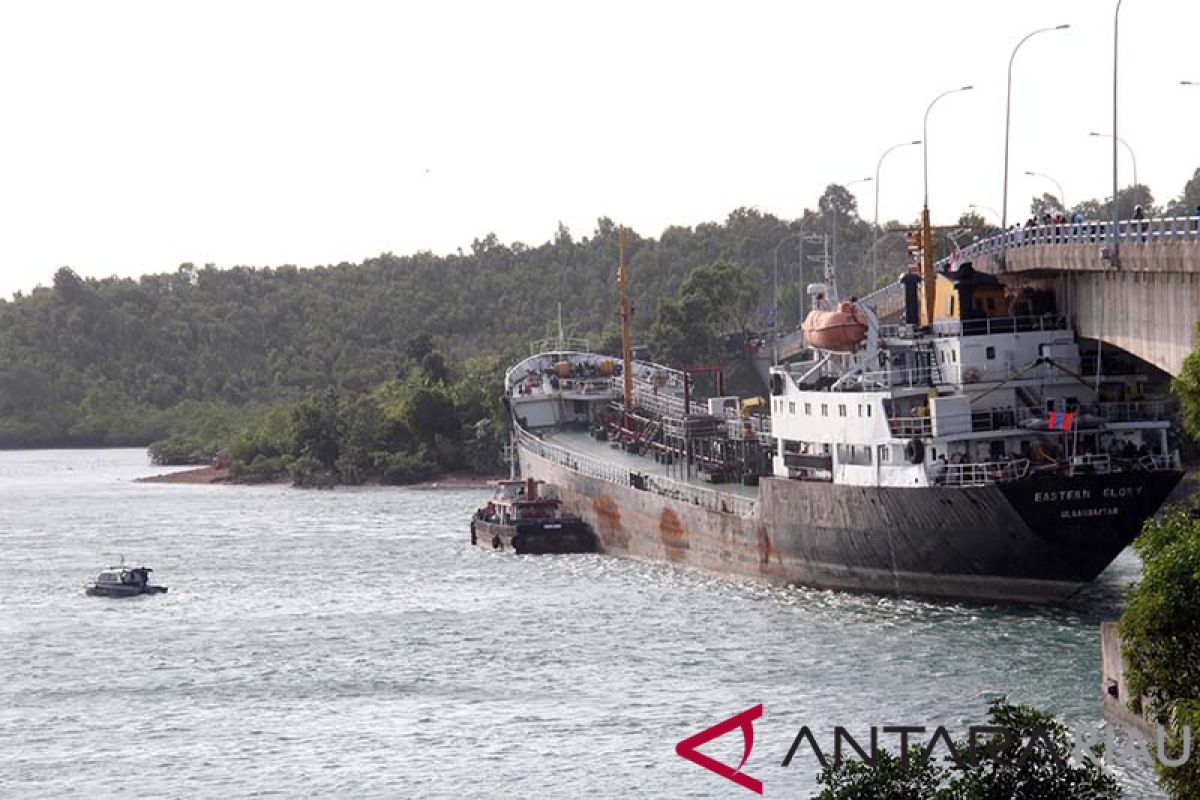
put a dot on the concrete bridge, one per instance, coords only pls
(1147, 303)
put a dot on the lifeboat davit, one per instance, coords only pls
(840, 331)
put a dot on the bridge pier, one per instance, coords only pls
(1150, 314)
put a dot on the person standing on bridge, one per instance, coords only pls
(1139, 214)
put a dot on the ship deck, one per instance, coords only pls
(580, 442)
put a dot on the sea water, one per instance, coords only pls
(351, 641)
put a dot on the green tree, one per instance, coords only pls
(1160, 635)
(362, 424)
(1188, 202)
(1031, 763)
(429, 412)
(1044, 204)
(1185, 386)
(316, 429)
(715, 298)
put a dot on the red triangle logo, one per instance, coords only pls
(745, 721)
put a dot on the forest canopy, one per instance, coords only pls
(206, 353)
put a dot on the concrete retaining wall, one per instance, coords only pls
(1112, 681)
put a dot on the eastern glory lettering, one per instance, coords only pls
(1063, 494)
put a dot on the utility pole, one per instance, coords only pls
(626, 313)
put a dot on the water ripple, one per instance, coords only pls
(351, 641)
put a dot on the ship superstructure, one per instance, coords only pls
(970, 450)
(998, 395)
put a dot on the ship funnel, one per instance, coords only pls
(912, 303)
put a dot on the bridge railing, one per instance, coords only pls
(1156, 229)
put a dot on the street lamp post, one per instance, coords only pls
(775, 285)
(925, 137)
(1116, 245)
(875, 250)
(846, 186)
(1062, 196)
(1128, 149)
(989, 209)
(927, 230)
(1008, 114)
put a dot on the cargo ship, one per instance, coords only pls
(967, 449)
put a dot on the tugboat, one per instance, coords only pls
(123, 581)
(524, 517)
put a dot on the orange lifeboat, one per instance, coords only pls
(838, 331)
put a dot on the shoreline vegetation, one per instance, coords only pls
(210, 474)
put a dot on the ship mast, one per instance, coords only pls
(928, 277)
(626, 347)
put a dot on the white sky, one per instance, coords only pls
(138, 135)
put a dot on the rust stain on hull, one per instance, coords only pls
(765, 549)
(673, 535)
(609, 531)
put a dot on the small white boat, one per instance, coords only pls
(123, 581)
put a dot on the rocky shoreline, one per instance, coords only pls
(211, 475)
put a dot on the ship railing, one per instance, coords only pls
(993, 325)
(556, 345)
(980, 474)
(576, 462)
(623, 476)
(1089, 464)
(910, 426)
(992, 419)
(699, 496)
(1133, 411)
(559, 386)
(586, 385)
(911, 376)
(752, 427)
(1156, 463)
(660, 400)
(1011, 417)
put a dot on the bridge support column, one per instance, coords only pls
(1151, 314)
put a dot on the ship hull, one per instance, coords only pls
(1036, 540)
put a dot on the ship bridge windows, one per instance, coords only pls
(841, 409)
(854, 454)
(808, 409)
(791, 408)
(824, 410)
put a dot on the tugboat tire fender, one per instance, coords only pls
(914, 451)
(496, 543)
